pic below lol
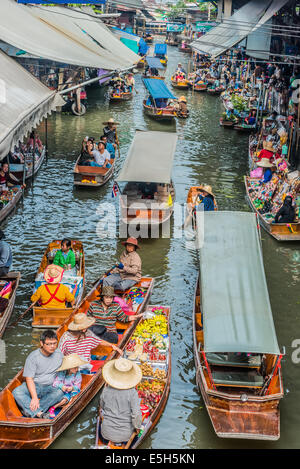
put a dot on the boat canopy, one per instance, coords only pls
(158, 89)
(160, 49)
(154, 62)
(150, 158)
(235, 303)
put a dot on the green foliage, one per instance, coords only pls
(239, 103)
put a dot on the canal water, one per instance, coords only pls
(52, 209)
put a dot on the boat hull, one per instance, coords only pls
(91, 176)
(11, 276)
(159, 114)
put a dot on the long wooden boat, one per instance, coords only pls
(245, 127)
(227, 123)
(279, 231)
(54, 317)
(150, 421)
(180, 85)
(185, 49)
(242, 390)
(17, 169)
(198, 87)
(14, 278)
(215, 91)
(191, 204)
(92, 176)
(123, 96)
(159, 113)
(19, 432)
(16, 192)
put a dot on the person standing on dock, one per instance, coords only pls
(5, 255)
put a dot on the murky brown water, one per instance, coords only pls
(53, 209)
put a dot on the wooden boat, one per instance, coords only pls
(16, 194)
(17, 169)
(180, 85)
(198, 87)
(54, 317)
(279, 231)
(227, 123)
(136, 210)
(92, 176)
(167, 113)
(124, 96)
(215, 91)
(14, 278)
(19, 432)
(149, 422)
(241, 390)
(185, 49)
(244, 127)
(191, 204)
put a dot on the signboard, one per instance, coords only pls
(60, 2)
(204, 26)
(175, 28)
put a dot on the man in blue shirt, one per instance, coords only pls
(5, 255)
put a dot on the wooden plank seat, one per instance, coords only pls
(237, 379)
(92, 170)
(232, 359)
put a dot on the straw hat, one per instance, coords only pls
(267, 145)
(182, 98)
(264, 163)
(71, 361)
(53, 274)
(80, 322)
(121, 373)
(207, 189)
(108, 290)
(111, 121)
(131, 241)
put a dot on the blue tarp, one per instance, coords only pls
(158, 89)
(143, 48)
(160, 49)
(154, 62)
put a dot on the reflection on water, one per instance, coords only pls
(52, 209)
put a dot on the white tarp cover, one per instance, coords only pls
(56, 33)
(259, 42)
(24, 102)
(232, 30)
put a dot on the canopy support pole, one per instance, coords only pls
(46, 137)
(273, 375)
(33, 156)
(208, 370)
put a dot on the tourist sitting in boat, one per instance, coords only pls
(65, 257)
(54, 294)
(81, 340)
(286, 213)
(129, 270)
(148, 189)
(38, 143)
(5, 255)
(179, 76)
(37, 394)
(16, 157)
(108, 146)
(251, 118)
(129, 81)
(161, 103)
(101, 157)
(205, 199)
(180, 69)
(84, 154)
(119, 401)
(68, 379)
(7, 178)
(106, 312)
(110, 131)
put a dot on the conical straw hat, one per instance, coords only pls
(71, 361)
(121, 373)
(80, 322)
(53, 274)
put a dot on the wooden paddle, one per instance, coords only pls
(22, 315)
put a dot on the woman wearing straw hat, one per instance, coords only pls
(119, 401)
(129, 270)
(205, 198)
(79, 339)
(68, 380)
(54, 294)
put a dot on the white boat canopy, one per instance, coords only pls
(150, 158)
(63, 35)
(237, 315)
(24, 102)
(234, 29)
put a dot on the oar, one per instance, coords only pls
(130, 439)
(117, 139)
(104, 275)
(22, 315)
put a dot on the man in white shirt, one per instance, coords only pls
(101, 156)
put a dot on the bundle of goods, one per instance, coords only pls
(135, 297)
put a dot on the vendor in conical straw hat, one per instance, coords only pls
(54, 294)
(182, 106)
(110, 131)
(68, 379)
(267, 166)
(119, 401)
(205, 198)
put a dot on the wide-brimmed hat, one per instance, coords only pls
(131, 241)
(53, 273)
(264, 163)
(71, 361)
(108, 290)
(111, 121)
(80, 322)
(121, 373)
(267, 145)
(207, 189)
(182, 98)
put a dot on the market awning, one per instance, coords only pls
(160, 49)
(150, 158)
(158, 89)
(235, 303)
(154, 62)
(234, 29)
(24, 102)
(63, 35)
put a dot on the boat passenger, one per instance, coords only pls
(161, 103)
(65, 257)
(37, 395)
(109, 146)
(81, 340)
(119, 401)
(5, 255)
(129, 271)
(106, 312)
(130, 82)
(101, 157)
(148, 189)
(205, 199)
(182, 107)
(251, 118)
(286, 214)
(54, 294)
(7, 178)
(110, 131)
(180, 69)
(68, 379)
(153, 72)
